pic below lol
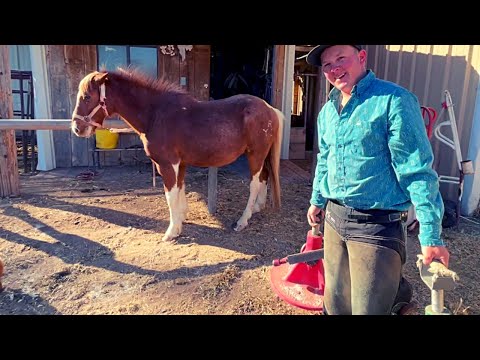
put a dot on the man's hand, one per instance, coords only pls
(431, 253)
(315, 215)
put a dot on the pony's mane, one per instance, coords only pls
(85, 83)
(141, 79)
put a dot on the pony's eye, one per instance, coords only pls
(86, 97)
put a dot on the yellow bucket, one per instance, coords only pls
(104, 139)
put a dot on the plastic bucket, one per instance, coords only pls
(104, 139)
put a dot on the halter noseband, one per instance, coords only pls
(101, 104)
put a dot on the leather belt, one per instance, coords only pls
(361, 216)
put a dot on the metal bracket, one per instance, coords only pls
(438, 278)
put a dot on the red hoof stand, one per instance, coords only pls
(301, 284)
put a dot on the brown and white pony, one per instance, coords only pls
(177, 130)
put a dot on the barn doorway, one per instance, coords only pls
(304, 109)
(241, 69)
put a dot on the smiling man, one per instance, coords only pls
(375, 161)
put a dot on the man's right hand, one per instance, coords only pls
(315, 215)
(439, 253)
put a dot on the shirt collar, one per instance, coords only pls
(358, 88)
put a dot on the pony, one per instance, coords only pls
(178, 130)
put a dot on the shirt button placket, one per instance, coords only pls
(341, 153)
(342, 177)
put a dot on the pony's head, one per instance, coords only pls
(91, 109)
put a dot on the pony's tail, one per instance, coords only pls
(274, 162)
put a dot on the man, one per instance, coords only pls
(375, 161)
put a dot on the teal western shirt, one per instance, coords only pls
(376, 154)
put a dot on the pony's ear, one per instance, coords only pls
(100, 79)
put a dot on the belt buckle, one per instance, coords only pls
(400, 216)
(394, 217)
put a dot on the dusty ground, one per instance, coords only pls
(93, 246)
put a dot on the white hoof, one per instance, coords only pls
(168, 238)
(240, 227)
(172, 233)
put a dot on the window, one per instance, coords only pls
(142, 57)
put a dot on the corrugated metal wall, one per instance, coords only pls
(427, 71)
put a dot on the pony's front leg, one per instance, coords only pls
(247, 213)
(173, 194)
(176, 216)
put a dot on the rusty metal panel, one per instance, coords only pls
(427, 71)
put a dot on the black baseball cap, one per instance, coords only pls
(313, 57)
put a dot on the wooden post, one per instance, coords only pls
(9, 178)
(212, 189)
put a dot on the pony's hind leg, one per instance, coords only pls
(261, 200)
(182, 197)
(247, 213)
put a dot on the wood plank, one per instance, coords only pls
(278, 74)
(73, 54)
(60, 102)
(169, 67)
(298, 135)
(183, 70)
(297, 151)
(201, 90)
(91, 58)
(292, 172)
(9, 177)
(76, 60)
(191, 71)
(202, 71)
(303, 48)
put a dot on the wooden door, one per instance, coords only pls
(191, 72)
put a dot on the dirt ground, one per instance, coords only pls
(76, 244)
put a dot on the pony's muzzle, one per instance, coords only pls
(75, 128)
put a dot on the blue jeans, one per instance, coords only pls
(363, 261)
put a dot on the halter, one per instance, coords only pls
(101, 104)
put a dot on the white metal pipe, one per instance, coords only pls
(437, 301)
(449, 179)
(456, 140)
(444, 139)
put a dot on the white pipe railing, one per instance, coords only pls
(52, 124)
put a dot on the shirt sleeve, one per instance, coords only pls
(412, 159)
(321, 169)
